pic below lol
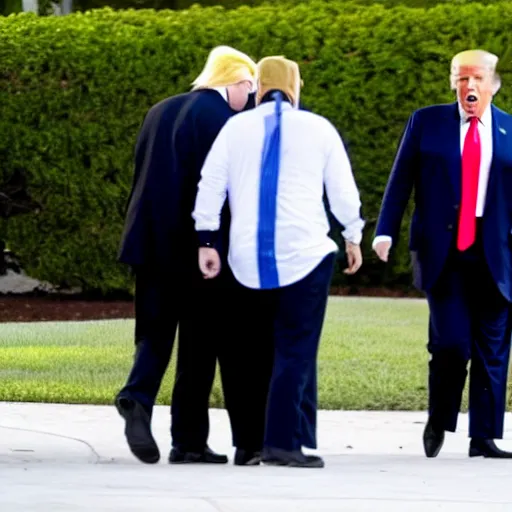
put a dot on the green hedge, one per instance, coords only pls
(9, 6)
(83, 5)
(74, 90)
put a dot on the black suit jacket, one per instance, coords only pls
(173, 142)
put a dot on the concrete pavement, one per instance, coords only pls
(74, 458)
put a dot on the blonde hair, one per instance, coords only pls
(226, 66)
(481, 58)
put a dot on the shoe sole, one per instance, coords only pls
(255, 461)
(434, 454)
(311, 465)
(272, 462)
(292, 464)
(473, 454)
(194, 460)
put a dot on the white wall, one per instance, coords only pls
(29, 5)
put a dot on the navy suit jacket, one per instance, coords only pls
(174, 140)
(428, 162)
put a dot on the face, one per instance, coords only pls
(238, 94)
(475, 88)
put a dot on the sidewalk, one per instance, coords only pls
(74, 458)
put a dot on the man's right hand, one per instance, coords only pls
(382, 250)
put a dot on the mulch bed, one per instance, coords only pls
(30, 308)
(46, 308)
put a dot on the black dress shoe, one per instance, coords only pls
(487, 448)
(138, 430)
(207, 456)
(433, 440)
(247, 458)
(293, 459)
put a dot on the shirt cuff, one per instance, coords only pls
(353, 238)
(354, 232)
(381, 238)
(207, 238)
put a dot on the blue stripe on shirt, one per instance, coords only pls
(269, 176)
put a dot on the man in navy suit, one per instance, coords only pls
(458, 159)
(160, 244)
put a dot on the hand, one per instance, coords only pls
(209, 262)
(382, 250)
(354, 257)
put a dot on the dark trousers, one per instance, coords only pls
(469, 320)
(290, 319)
(200, 311)
(253, 351)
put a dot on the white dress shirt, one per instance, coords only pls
(485, 132)
(312, 156)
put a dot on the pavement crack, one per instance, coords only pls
(91, 448)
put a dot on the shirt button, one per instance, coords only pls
(450, 227)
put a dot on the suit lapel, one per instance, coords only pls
(499, 134)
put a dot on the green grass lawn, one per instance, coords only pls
(372, 356)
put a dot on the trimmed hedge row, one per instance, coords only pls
(9, 6)
(74, 91)
(84, 5)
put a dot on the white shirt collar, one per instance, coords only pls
(485, 119)
(222, 91)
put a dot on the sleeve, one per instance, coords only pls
(341, 189)
(400, 182)
(152, 204)
(212, 189)
(381, 238)
(149, 134)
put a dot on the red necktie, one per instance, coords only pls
(470, 171)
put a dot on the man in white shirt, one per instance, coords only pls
(273, 163)
(457, 157)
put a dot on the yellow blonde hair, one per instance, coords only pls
(226, 66)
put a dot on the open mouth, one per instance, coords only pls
(471, 98)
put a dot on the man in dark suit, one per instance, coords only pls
(458, 159)
(160, 244)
